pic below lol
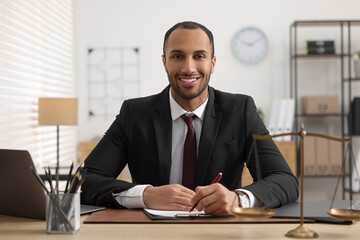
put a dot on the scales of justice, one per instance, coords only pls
(301, 231)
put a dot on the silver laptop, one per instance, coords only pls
(21, 193)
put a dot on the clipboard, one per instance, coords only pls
(184, 216)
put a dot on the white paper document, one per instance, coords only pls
(171, 214)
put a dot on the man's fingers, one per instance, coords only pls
(206, 201)
(202, 192)
(175, 207)
(168, 197)
(186, 190)
(214, 199)
(185, 201)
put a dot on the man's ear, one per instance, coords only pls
(213, 62)
(164, 61)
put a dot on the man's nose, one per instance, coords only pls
(189, 66)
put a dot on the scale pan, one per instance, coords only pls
(345, 214)
(254, 212)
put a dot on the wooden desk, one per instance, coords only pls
(13, 228)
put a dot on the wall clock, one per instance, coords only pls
(250, 45)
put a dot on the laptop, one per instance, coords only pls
(21, 193)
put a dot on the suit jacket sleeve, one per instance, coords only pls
(277, 186)
(105, 163)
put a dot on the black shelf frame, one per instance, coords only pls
(343, 55)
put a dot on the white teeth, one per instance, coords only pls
(188, 80)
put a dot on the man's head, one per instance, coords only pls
(189, 62)
(190, 26)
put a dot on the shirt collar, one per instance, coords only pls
(177, 110)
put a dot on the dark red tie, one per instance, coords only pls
(190, 154)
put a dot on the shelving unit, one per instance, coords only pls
(344, 55)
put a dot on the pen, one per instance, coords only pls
(216, 180)
(54, 201)
(50, 180)
(77, 180)
(69, 177)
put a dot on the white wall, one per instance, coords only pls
(142, 23)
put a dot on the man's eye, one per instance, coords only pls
(199, 56)
(177, 56)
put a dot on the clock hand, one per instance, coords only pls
(255, 41)
(246, 43)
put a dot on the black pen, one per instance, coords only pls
(69, 177)
(77, 180)
(40, 180)
(50, 180)
(47, 179)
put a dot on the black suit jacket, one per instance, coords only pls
(141, 137)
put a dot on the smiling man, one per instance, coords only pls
(176, 142)
(189, 62)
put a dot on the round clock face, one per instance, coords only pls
(250, 45)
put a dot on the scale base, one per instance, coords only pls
(301, 232)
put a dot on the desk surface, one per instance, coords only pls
(21, 228)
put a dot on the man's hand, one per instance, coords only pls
(215, 199)
(168, 197)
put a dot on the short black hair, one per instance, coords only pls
(190, 26)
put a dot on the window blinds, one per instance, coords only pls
(36, 60)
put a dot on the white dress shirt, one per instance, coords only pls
(132, 198)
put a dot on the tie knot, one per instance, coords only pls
(188, 120)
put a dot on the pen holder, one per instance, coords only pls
(62, 212)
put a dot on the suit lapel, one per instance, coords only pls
(208, 137)
(163, 130)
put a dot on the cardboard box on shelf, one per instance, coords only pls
(287, 149)
(320, 104)
(322, 162)
(309, 156)
(322, 156)
(335, 158)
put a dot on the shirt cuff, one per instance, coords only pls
(132, 198)
(254, 202)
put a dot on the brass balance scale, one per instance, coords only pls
(301, 231)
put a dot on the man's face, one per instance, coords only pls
(188, 64)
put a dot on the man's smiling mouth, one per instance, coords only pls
(189, 80)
